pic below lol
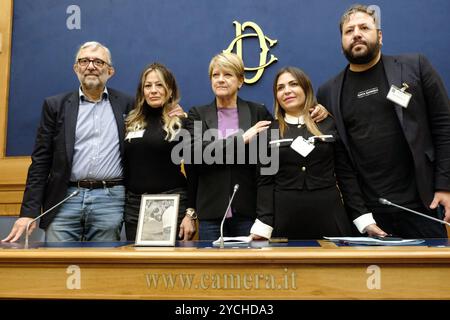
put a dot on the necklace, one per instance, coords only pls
(299, 121)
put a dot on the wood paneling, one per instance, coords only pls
(12, 169)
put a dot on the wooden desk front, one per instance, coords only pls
(323, 272)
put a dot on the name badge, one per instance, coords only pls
(302, 146)
(135, 134)
(399, 96)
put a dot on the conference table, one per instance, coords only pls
(312, 269)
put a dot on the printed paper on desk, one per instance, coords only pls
(302, 146)
(232, 241)
(375, 242)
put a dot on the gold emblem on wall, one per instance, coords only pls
(265, 43)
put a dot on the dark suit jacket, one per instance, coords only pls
(50, 169)
(425, 122)
(212, 184)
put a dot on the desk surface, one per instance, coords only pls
(431, 251)
(294, 270)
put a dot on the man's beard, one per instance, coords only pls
(372, 51)
(92, 83)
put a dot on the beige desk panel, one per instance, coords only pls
(326, 272)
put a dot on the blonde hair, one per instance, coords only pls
(310, 100)
(229, 61)
(136, 119)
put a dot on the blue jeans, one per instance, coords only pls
(91, 215)
(232, 227)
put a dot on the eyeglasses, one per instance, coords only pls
(98, 63)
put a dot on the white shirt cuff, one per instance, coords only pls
(363, 221)
(261, 229)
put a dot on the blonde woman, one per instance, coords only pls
(151, 128)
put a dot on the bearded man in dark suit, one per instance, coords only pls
(399, 143)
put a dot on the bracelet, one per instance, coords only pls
(190, 212)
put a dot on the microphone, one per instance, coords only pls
(388, 203)
(73, 194)
(236, 187)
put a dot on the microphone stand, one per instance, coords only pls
(44, 213)
(236, 187)
(386, 202)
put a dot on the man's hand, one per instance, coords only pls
(374, 230)
(187, 229)
(442, 198)
(19, 228)
(318, 113)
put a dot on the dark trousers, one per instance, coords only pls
(407, 224)
(233, 227)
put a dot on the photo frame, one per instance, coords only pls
(158, 216)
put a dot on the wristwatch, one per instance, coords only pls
(190, 212)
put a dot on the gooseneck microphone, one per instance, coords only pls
(388, 203)
(73, 194)
(236, 187)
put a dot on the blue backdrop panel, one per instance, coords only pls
(185, 34)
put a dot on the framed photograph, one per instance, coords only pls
(158, 216)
